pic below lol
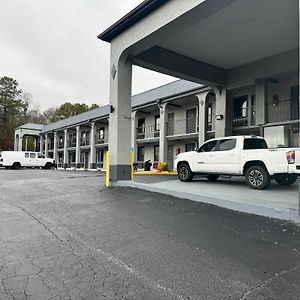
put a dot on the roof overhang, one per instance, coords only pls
(138, 13)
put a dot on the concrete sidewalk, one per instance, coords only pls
(281, 202)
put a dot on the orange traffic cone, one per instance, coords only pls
(158, 167)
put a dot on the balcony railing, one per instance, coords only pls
(147, 132)
(102, 140)
(60, 144)
(85, 141)
(245, 119)
(184, 126)
(72, 143)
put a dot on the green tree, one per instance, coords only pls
(68, 109)
(13, 108)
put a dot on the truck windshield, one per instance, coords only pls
(251, 144)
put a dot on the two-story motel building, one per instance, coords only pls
(188, 111)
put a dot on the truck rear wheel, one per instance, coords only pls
(184, 173)
(286, 179)
(257, 177)
(16, 166)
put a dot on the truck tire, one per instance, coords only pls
(16, 165)
(257, 177)
(212, 177)
(286, 179)
(184, 172)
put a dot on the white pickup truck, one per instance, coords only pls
(247, 156)
(18, 159)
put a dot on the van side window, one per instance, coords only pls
(32, 155)
(227, 144)
(26, 155)
(40, 155)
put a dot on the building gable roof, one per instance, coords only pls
(31, 126)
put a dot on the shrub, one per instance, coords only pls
(164, 166)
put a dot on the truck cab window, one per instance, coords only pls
(252, 144)
(32, 155)
(207, 147)
(227, 144)
(26, 155)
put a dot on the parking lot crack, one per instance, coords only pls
(267, 282)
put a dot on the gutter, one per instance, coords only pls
(138, 13)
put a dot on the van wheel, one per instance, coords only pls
(184, 173)
(16, 166)
(257, 177)
(286, 179)
(212, 177)
(48, 165)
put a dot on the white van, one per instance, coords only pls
(18, 159)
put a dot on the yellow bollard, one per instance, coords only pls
(107, 169)
(131, 164)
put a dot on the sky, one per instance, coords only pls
(51, 48)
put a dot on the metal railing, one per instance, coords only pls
(60, 144)
(147, 132)
(103, 140)
(85, 141)
(247, 118)
(184, 126)
(72, 142)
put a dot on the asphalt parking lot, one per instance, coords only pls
(64, 236)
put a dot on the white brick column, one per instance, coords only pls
(163, 132)
(42, 143)
(202, 119)
(20, 146)
(65, 148)
(93, 164)
(77, 153)
(46, 145)
(134, 125)
(55, 148)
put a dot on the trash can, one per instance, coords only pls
(147, 165)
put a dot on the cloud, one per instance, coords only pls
(51, 48)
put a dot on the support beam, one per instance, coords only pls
(134, 125)
(120, 118)
(20, 147)
(163, 132)
(202, 119)
(16, 142)
(55, 149)
(77, 153)
(93, 164)
(42, 144)
(261, 96)
(165, 61)
(223, 125)
(26, 143)
(65, 148)
(46, 145)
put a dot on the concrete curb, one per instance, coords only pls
(282, 214)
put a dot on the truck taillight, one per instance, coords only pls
(291, 157)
